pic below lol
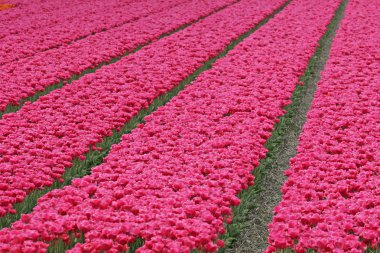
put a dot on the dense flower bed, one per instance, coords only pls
(35, 14)
(24, 78)
(17, 46)
(172, 180)
(331, 200)
(40, 140)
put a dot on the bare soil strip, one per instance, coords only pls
(250, 231)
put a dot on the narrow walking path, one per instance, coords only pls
(259, 202)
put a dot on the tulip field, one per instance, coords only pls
(143, 125)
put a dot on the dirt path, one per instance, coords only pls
(254, 232)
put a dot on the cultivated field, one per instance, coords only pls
(181, 126)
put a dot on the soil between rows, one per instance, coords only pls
(254, 227)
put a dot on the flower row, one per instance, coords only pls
(17, 46)
(331, 200)
(25, 77)
(39, 141)
(173, 180)
(33, 14)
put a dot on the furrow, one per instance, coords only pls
(331, 202)
(248, 232)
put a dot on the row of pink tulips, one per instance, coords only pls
(17, 46)
(30, 15)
